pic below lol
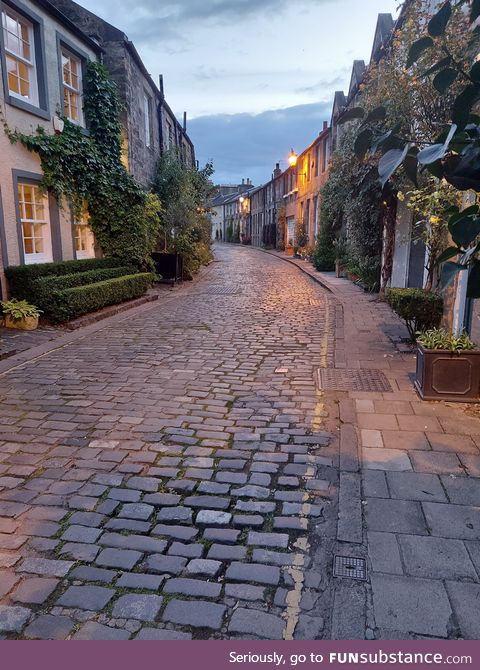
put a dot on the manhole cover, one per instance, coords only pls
(374, 381)
(352, 568)
(221, 290)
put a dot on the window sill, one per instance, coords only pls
(28, 107)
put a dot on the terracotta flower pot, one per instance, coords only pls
(290, 251)
(27, 323)
(447, 375)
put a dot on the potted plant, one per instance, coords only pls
(20, 315)
(448, 367)
(341, 257)
(290, 250)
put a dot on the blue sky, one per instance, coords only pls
(255, 76)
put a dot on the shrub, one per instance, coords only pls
(421, 310)
(324, 255)
(18, 310)
(46, 287)
(22, 278)
(74, 302)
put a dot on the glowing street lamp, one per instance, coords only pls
(292, 159)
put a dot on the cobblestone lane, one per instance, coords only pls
(173, 475)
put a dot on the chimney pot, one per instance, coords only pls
(325, 125)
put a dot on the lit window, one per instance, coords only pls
(84, 239)
(18, 37)
(72, 87)
(33, 207)
(147, 120)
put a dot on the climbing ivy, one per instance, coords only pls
(85, 168)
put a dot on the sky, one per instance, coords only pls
(256, 77)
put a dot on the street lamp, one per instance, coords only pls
(292, 159)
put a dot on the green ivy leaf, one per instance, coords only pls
(438, 23)
(463, 105)
(377, 114)
(351, 114)
(449, 272)
(417, 49)
(449, 253)
(475, 72)
(390, 162)
(445, 62)
(475, 11)
(363, 143)
(436, 152)
(465, 230)
(445, 79)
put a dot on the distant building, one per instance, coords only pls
(225, 194)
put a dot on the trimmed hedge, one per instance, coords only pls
(74, 302)
(45, 287)
(421, 310)
(22, 278)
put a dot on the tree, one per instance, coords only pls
(186, 227)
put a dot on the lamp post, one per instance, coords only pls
(292, 159)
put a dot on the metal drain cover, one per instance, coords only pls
(352, 568)
(337, 379)
(221, 290)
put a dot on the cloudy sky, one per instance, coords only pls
(257, 77)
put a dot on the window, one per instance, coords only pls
(147, 119)
(19, 41)
(324, 155)
(72, 87)
(34, 219)
(84, 239)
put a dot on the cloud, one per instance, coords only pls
(150, 21)
(248, 145)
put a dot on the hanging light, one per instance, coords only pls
(293, 158)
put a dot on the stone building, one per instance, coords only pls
(149, 125)
(43, 57)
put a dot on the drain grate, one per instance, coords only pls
(373, 381)
(352, 568)
(221, 290)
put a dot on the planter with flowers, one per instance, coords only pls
(448, 367)
(20, 315)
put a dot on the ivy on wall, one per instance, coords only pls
(85, 168)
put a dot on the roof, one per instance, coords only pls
(383, 34)
(358, 73)
(50, 7)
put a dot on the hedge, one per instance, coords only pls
(421, 310)
(45, 287)
(22, 278)
(74, 302)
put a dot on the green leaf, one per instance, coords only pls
(449, 253)
(390, 162)
(475, 11)
(363, 143)
(377, 114)
(351, 114)
(445, 62)
(463, 105)
(417, 49)
(473, 290)
(449, 272)
(475, 72)
(445, 79)
(464, 231)
(438, 23)
(436, 169)
(437, 151)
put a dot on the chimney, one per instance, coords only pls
(325, 125)
(243, 182)
(184, 122)
(277, 172)
(161, 84)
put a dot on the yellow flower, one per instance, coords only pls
(434, 219)
(400, 196)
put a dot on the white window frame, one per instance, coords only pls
(46, 256)
(78, 92)
(147, 118)
(33, 97)
(81, 226)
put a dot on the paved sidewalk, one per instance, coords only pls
(420, 464)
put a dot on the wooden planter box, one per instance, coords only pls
(446, 375)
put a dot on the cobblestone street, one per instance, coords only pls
(173, 474)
